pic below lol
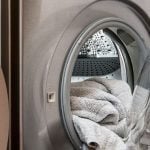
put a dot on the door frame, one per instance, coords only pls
(11, 45)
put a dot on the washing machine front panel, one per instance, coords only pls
(48, 67)
(41, 34)
(105, 13)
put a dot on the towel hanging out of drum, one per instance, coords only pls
(101, 99)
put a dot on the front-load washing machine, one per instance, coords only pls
(69, 41)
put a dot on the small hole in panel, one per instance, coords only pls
(50, 97)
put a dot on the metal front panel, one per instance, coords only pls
(43, 26)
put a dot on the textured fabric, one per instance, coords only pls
(120, 129)
(89, 84)
(97, 104)
(96, 136)
(94, 110)
(101, 110)
(118, 88)
(97, 94)
(140, 118)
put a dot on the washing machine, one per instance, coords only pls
(60, 42)
(68, 41)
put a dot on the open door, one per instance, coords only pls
(4, 113)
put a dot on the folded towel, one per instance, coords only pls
(97, 137)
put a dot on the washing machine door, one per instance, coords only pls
(4, 113)
(50, 55)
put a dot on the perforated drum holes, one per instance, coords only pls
(98, 45)
(98, 56)
(95, 67)
(50, 97)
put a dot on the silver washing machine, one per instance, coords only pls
(108, 38)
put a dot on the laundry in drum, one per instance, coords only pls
(81, 72)
(100, 98)
(101, 110)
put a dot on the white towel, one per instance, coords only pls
(95, 110)
(103, 110)
(96, 136)
(118, 88)
(94, 93)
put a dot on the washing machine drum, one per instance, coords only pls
(97, 57)
(107, 39)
